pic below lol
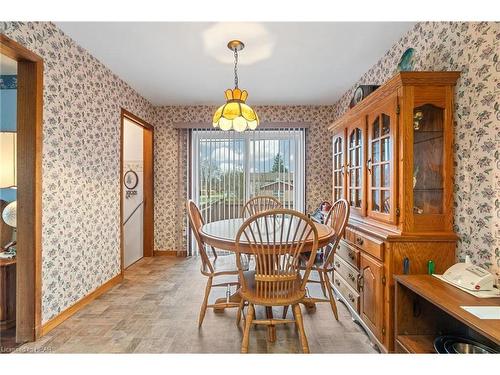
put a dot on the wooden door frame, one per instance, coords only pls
(148, 185)
(29, 188)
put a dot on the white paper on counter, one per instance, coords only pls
(484, 312)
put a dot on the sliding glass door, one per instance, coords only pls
(228, 168)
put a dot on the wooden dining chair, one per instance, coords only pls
(275, 239)
(337, 218)
(259, 204)
(208, 268)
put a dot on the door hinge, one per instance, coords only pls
(397, 109)
(398, 211)
(384, 280)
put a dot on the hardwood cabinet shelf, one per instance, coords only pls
(393, 162)
(428, 140)
(417, 343)
(427, 307)
(428, 189)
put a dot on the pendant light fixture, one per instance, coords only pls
(235, 114)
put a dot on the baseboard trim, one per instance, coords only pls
(54, 322)
(170, 253)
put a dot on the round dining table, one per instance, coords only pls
(222, 235)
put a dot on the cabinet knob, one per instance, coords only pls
(351, 276)
(351, 255)
(359, 241)
(351, 297)
(337, 264)
(337, 282)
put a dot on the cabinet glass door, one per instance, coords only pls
(338, 167)
(355, 167)
(428, 137)
(379, 164)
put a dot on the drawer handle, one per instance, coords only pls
(337, 264)
(359, 241)
(360, 282)
(351, 255)
(351, 297)
(337, 282)
(351, 276)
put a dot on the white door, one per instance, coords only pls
(133, 193)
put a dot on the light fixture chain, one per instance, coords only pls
(235, 68)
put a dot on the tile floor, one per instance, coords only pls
(155, 310)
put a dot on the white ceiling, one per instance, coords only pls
(7, 65)
(174, 63)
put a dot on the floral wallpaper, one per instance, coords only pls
(171, 161)
(80, 164)
(472, 48)
(80, 187)
(8, 82)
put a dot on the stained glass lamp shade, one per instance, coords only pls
(235, 114)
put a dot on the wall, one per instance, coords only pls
(8, 102)
(80, 164)
(171, 160)
(473, 49)
(82, 100)
(8, 109)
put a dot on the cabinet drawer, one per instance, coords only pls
(348, 253)
(370, 245)
(348, 273)
(350, 235)
(346, 291)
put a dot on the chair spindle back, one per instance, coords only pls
(196, 221)
(276, 239)
(259, 204)
(337, 218)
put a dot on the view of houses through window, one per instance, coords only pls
(228, 168)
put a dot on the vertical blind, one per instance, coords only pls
(228, 168)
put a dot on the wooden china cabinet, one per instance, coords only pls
(393, 162)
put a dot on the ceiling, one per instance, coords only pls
(187, 63)
(7, 66)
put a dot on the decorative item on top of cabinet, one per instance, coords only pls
(361, 92)
(393, 162)
(407, 61)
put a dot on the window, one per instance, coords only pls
(228, 168)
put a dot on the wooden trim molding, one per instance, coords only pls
(54, 322)
(136, 119)
(388, 88)
(263, 125)
(170, 253)
(17, 51)
(148, 176)
(29, 188)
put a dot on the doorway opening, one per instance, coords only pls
(20, 164)
(137, 204)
